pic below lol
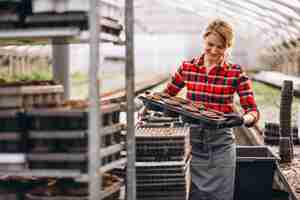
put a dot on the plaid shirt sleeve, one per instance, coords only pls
(176, 83)
(246, 95)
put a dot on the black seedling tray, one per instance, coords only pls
(228, 121)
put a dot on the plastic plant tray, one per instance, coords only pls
(110, 192)
(162, 144)
(187, 116)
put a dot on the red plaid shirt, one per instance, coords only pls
(216, 89)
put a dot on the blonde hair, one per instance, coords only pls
(221, 28)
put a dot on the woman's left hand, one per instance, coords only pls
(249, 119)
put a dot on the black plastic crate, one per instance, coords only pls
(66, 141)
(57, 121)
(11, 121)
(11, 143)
(15, 189)
(254, 173)
(42, 145)
(58, 161)
(69, 119)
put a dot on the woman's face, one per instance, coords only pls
(214, 47)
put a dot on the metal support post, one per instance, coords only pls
(61, 68)
(95, 184)
(131, 172)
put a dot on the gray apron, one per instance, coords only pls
(213, 164)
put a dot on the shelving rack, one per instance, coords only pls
(64, 35)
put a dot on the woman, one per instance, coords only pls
(212, 81)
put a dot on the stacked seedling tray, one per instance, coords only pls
(9, 13)
(58, 138)
(30, 94)
(74, 13)
(286, 146)
(272, 134)
(108, 8)
(11, 190)
(12, 144)
(53, 142)
(69, 189)
(78, 19)
(52, 13)
(162, 144)
(11, 132)
(162, 180)
(162, 169)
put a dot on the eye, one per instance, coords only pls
(221, 47)
(210, 44)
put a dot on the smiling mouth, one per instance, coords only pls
(214, 55)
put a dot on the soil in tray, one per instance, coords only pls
(69, 188)
(162, 94)
(190, 112)
(180, 100)
(182, 105)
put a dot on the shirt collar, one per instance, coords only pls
(199, 61)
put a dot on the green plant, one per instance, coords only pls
(35, 75)
(79, 76)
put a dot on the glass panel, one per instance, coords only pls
(293, 30)
(284, 9)
(268, 4)
(239, 10)
(282, 34)
(249, 5)
(263, 3)
(277, 16)
(270, 21)
(257, 13)
(294, 3)
(294, 36)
